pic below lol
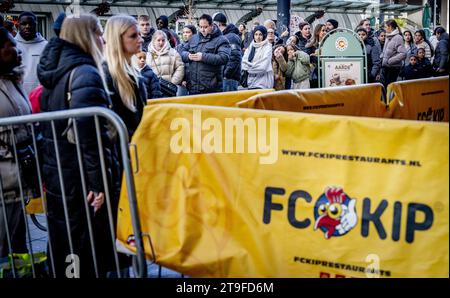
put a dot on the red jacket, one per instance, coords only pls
(35, 99)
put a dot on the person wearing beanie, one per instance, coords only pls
(257, 61)
(232, 71)
(207, 53)
(31, 43)
(331, 24)
(58, 23)
(162, 23)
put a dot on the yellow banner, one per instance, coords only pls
(425, 99)
(224, 99)
(304, 196)
(361, 100)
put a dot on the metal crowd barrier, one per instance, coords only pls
(139, 262)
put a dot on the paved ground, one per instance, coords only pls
(39, 244)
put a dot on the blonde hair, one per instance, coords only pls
(157, 33)
(81, 31)
(123, 74)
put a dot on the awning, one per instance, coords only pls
(340, 6)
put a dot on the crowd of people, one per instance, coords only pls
(122, 65)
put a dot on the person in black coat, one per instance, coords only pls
(424, 64)
(232, 71)
(440, 62)
(412, 70)
(373, 57)
(303, 35)
(73, 58)
(207, 53)
(150, 79)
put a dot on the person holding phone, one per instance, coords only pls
(207, 53)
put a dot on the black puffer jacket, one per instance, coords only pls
(151, 83)
(58, 59)
(302, 42)
(130, 118)
(206, 76)
(233, 67)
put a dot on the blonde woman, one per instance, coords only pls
(165, 61)
(127, 89)
(77, 57)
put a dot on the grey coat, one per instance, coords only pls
(394, 52)
(13, 103)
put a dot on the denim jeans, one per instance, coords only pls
(230, 85)
(182, 91)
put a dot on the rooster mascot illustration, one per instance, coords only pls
(335, 213)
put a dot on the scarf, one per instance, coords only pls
(253, 46)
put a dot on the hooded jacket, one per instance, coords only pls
(151, 83)
(206, 76)
(394, 52)
(166, 63)
(233, 68)
(171, 35)
(58, 60)
(31, 53)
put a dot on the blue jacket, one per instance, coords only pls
(233, 67)
(206, 76)
(151, 83)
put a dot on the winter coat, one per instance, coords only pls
(233, 68)
(147, 40)
(129, 117)
(373, 61)
(298, 68)
(442, 52)
(394, 51)
(13, 102)
(425, 68)
(279, 67)
(58, 60)
(206, 76)
(31, 52)
(246, 40)
(412, 72)
(260, 71)
(151, 83)
(166, 63)
(301, 41)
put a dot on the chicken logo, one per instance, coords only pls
(335, 213)
(341, 44)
